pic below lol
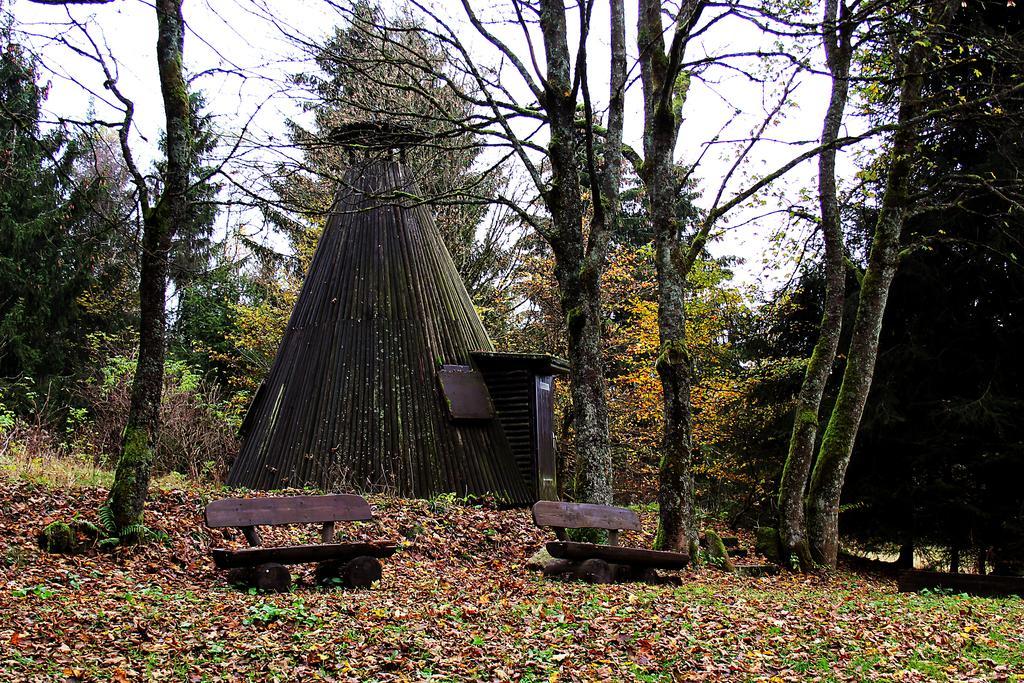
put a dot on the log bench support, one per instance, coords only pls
(597, 563)
(353, 565)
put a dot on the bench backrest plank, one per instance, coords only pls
(248, 512)
(584, 516)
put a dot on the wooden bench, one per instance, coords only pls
(355, 564)
(597, 563)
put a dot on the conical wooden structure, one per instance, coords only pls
(353, 400)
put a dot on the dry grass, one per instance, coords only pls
(55, 471)
(29, 453)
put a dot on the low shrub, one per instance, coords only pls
(79, 444)
(197, 434)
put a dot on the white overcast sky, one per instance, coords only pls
(242, 35)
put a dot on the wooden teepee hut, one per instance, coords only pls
(385, 379)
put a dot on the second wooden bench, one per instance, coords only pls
(595, 562)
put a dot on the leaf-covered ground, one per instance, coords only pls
(456, 604)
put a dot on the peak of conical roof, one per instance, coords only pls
(352, 400)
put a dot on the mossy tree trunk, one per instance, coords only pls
(131, 479)
(837, 33)
(581, 255)
(664, 91)
(579, 286)
(716, 552)
(677, 528)
(836, 448)
(833, 458)
(580, 194)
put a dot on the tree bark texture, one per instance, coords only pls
(131, 478)
(580, 288)
(829, 472)
(664, 92)
(580, 256)
(836, 38)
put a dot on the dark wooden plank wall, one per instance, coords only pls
(351, 402)
(514, 402)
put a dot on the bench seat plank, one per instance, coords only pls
(636, 557)
(584, 516)
(298, 554)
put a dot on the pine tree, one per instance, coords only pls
(44, 231)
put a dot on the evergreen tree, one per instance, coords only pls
(49, 236)
(206, 320)
(942, 446)
(193, 246)
(361, 78)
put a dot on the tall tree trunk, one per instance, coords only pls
(664, 92)
(579, 285)
(580, 296)
(792, 533)
(829, 472)
(131, 479)
(579, 228)
(677, 528)
(837, 445)
(580, 258)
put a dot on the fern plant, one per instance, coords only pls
(138, 532)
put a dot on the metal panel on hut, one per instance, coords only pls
(385, 379)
